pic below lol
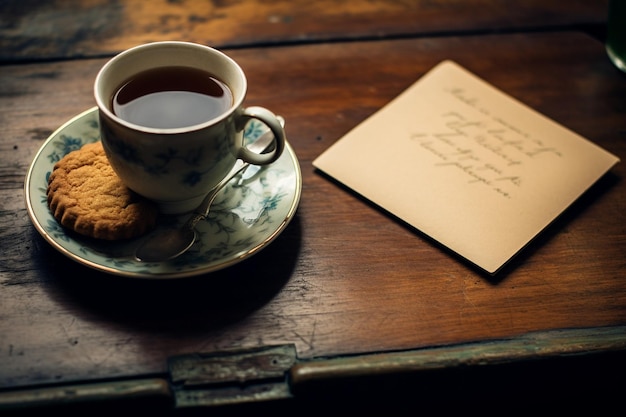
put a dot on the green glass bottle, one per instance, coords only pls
(616, 33)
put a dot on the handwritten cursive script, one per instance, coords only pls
(486, 148)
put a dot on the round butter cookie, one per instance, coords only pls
(86, 196)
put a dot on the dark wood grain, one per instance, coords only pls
(344, 277)
(35, 30)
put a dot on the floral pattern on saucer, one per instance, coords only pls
(252, 210)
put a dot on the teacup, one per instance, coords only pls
(172, 121)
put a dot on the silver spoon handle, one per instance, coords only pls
(202, 211)
(262, 144)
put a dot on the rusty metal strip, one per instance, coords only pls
(230, 377)
(530, 346)
(152, 389)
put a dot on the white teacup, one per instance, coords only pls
(176, 165)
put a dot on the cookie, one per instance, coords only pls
(85, 195)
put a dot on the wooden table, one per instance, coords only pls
(348, 309)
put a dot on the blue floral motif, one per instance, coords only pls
(57, 231)
(271, 202)
(161, 168)
(65, 145)
(93, 124)
(193, 157)
(253, 130)
(192, 178)
(126, 151)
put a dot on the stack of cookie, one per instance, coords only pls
(86, 196)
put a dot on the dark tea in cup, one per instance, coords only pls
(171, 97)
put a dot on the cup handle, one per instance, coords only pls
(269, 119)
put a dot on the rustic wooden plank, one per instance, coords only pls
(344, 278)
(34, 30)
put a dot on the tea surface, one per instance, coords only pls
(171, 97)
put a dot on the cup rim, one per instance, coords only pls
(102, 107)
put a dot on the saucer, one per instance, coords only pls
(247, 215)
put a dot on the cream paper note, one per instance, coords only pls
(466, 164)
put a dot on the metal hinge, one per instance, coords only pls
(231, 377)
